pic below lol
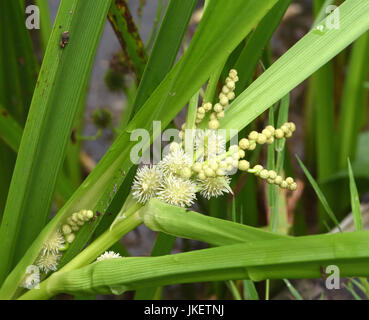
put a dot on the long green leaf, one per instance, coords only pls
(350, 121)
(165, 49)
(320, 194)
(10, 130)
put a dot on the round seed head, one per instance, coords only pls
(214, 186)
(258, 168)
(177, 191)
(147, 182)
(225, 90)
(270, 129)
(241, 154)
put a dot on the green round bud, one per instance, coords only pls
(253, 135)
(289, 180)
(209, 172)
(186, 173)
(270, 129)
(231, 95)
(202, 175)
(243, 165)
(66, 229)
(278, 180)
(197, 166)
(279, 134)
(293, 186)
(70, 237)
(266, 133)
(264, 174)
(208, 106)
(257, 168)
(102, 118)
(201, 110)
(241, 154)
(225, 90)
(244, 144)
(220, 115)
(272, 174)
(261, 139)
(284, 185)
(214, 124)
(218, 107)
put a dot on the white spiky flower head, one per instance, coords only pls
(108, 255)
(146, 183)
(209, 143)
(214, 186)
(178, 191)
(53, 243)
(48, 262)
(174, 162)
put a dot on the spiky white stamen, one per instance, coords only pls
(174, 162)
(213, 186)
(108, 255)
(48, 262)
(54, 243)
(146, 183)
(177, 191)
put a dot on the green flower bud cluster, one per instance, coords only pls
(200, 115)
(267, 136)
(59, 241)
(225, 96)
(74, 223)
(102, 118)
(272, 177)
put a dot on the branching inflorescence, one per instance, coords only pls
(201, 163)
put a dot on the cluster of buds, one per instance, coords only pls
(180, 175)
(273, 178)
(59, 241)
(225, 97)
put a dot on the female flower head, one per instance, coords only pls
(146, 183)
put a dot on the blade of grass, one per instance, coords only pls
(45, 22)
(255, 44)
(10, 130)
(293, 290)
(355, 202)
(165, 49)
(350, 121)
(319, 193)
(127, 33)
